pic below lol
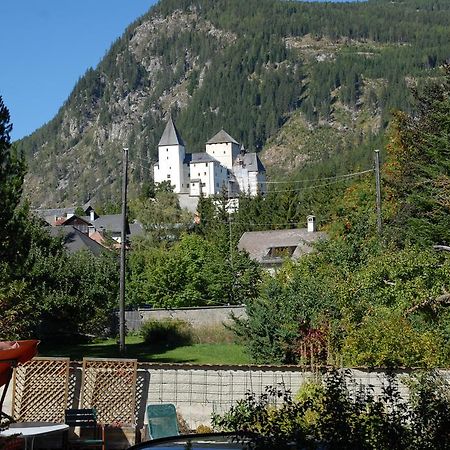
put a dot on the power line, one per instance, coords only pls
(232, 222)
(348, 175)
(331, 180)
(312, 187)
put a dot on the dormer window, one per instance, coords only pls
(281, 252)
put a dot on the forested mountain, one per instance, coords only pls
(310, 85)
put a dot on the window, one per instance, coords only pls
(203, 184)
(187, 185)
(224, 152)
(204, 173)
(199, 174)
(217, 184)
(168, 175)
(167, 157)
(280, 252)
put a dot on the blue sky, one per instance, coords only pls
(48, 44)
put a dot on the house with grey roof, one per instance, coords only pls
(225, 165)
(75, 240)
(87, 231)
(271, 248)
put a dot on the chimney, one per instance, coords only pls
(311, 223)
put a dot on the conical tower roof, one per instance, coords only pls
(171, 135)
(222, 137)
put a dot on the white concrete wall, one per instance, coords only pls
(198, 391)
(225, 153)
(211, 174)
(170, 163)
(251, 183)
(214, 315)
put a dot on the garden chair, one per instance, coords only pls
(162, 420)
(85, 419)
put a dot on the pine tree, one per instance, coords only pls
(12, 172)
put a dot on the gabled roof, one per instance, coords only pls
(171, 135)
(222, 137)
(74, 240)
(111, 223)
(253, 163)
(259, 243)
(202, 158)
(49, 214)
(70, 220)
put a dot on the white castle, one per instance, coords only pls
(224, 165)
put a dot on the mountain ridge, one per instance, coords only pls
(251, 69)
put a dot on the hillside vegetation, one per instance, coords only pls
(310, 85)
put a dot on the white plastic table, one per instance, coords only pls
(30, 431)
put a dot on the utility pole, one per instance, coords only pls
(123, 253)
(378, 188)
(230, 241)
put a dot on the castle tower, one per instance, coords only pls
(171, 155)
(223, 148)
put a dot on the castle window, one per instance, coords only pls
(199, 174)
(168, 175)
(224, 152)
(167, 157)
(204, 173)
(187, 185)
(203, 184)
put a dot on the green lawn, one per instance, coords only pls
(136, 348)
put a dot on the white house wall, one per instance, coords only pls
(207, 175)
(221, 178)
(170, 162)
(225, 153)
(261, 183)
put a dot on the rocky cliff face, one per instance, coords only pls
(122, 103)
(212, 67)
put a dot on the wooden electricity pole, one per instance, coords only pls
(378, 187)
(123, 253)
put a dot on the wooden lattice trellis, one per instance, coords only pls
(109, 386)
(40, 390)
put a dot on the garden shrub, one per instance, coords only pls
(213, 334)
(169, 333)
(332, 417)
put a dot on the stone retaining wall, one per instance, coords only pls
(214, 315)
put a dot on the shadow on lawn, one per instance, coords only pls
(139, 351)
